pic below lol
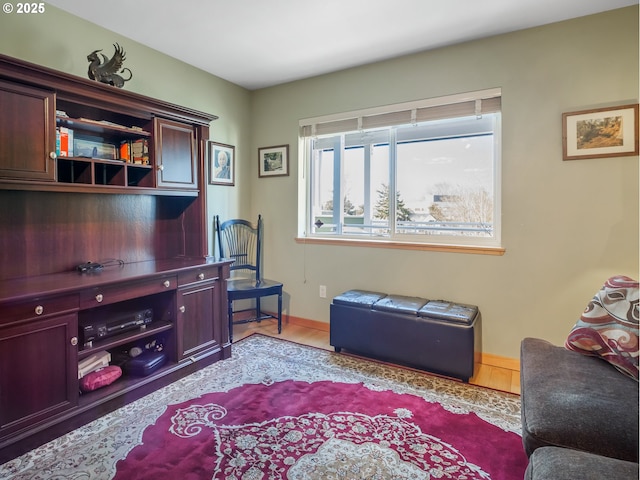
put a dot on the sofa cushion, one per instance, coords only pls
(576, 401)
(552, 463)
(608, 328)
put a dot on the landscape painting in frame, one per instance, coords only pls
(222, 160)
(273, 161)
(600, 133)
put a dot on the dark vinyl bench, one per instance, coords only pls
(437, 336)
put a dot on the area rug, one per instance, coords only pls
(279, 410)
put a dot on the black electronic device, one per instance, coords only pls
(102, 329)
(89, 267)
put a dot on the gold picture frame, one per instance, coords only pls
(600, 133)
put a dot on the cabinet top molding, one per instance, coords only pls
(26, 288)
(74, 88)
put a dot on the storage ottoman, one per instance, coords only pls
(437, 336)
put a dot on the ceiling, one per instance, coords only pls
(260, 43)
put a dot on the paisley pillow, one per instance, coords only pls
(608, 327)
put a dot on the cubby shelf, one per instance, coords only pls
(100, 128)
(127, 337)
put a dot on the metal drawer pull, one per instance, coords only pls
(182, 309)
(99, 298)
(201, 276)
(74, 341)
(167, 283)
(39, 310)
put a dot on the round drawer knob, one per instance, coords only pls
(182, 309)
(167, 283)
(99, 298)
(39, 310)
(74, 341)
(201, 276)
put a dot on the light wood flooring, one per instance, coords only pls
(498, 378)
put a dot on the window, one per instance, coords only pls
(421, 172)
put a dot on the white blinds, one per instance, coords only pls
(462, 105)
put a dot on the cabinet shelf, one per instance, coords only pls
(122, 385)
(102, 128)
(126, 337)
(99, 172)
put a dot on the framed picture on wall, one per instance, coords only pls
(273, 161)
(600, 133)
(222, 164)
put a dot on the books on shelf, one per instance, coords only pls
(135, 151)
(94, 362)
(125, 151)
(64, 142)
(69, 144)
(140, 151)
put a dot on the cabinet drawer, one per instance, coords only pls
(195, 275)
(37, 308)
(98, 296)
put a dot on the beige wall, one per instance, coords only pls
(566, 225)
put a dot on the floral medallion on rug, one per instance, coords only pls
(279, 410)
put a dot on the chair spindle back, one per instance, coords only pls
(241, 241)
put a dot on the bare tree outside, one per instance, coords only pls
(462, 204)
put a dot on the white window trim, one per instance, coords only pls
(491, 245)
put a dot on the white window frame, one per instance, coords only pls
(398, 114)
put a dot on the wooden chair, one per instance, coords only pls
(241, 241)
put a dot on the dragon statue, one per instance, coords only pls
(107, 70)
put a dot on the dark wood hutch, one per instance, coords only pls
(90, 172)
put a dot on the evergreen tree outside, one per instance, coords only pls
(403, 214)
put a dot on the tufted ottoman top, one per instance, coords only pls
(453, 312)
(400, 304)
(358, 298)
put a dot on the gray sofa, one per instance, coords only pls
(579, 415)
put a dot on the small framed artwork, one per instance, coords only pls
(273, 161)
(222, 164)
(600, 133)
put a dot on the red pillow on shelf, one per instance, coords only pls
(100, 378)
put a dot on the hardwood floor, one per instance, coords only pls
(498, 378)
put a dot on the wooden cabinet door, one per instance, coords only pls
(27, 133)
(175, 155)
(38, 371)
(199, 327)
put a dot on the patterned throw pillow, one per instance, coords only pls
(608, 328)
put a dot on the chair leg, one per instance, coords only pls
(280, 313)
(230, 315)
(258, 310)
